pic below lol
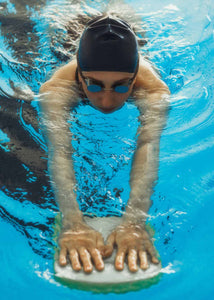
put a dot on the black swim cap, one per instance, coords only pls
(108, 44)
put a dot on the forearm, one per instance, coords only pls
(62, 175)
(143, 176)
(56, 106)
(144, 171)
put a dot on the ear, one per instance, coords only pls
(79, 77)
(134, 80)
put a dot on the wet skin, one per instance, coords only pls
(134, 242)
(81, 243)
(107, 101)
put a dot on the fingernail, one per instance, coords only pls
(155, 260)
(119, 267)
(88, 269)
(100, 267)
(62, 262)
(144, 267)
(134, 270)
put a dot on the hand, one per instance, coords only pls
(133, 241)
(82, 243)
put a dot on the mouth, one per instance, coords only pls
(106, 110)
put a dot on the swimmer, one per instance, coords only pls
(107, 71)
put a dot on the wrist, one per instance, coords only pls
(129, 221)
(134, 215)
(72, 219)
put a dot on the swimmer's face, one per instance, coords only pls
(107, 100)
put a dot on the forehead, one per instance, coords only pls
(108, 76)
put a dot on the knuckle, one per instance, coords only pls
(122, 249)
(93, 252)
(132, 251)
(73, 252)
(147, 244)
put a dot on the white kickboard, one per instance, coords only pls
(109, 275)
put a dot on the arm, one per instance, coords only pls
(131, 237)
(58, 96)
(153, 110)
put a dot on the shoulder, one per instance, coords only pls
(63, 77)
(147, 78)
(67, 72)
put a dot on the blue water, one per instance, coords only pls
(103, 140)
(180, 44)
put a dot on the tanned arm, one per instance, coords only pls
(57, 98)
(77, 240)
(131, 237)
(152, 99)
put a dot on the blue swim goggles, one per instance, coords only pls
(95, 86)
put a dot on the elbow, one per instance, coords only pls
(167, 91)
(164, 90)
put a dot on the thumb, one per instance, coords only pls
(100, 243)
(109, 247)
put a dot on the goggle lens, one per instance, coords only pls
(122, 89)
(94, 88)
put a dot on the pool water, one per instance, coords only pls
(180, 44)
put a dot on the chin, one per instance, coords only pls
(108, 111)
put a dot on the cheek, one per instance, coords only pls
(122, 98)
(93, 97)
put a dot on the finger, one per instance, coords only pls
(132, 260)
(97, 259)
(151, 251)
(155, 260)
(74, 258)
(62, 257)
(120, 257)
(86, 260)
(109, 247)
(143, 260)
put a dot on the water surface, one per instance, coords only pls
(34, 43)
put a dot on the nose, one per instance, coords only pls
(107, 101)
